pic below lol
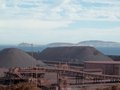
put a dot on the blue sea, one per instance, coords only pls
(110, 50)
(105, 50)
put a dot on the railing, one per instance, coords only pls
(92, 78)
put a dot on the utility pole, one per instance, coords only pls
(32, 50)
(35, 78)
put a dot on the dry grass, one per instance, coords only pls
(21, 86)
(115, 87)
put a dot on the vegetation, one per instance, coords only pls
(21, 86)
(114, 87)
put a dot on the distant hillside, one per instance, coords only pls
(97, 43)
(94, 43)
(24, 45)
(72, 54)
(59, 44)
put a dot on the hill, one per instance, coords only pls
(97, 43)
(25, 45)
(73, 54)
(59, 44)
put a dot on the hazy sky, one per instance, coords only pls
(45, 21)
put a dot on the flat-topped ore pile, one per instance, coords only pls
(73, 54)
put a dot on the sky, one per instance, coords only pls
(47, 21)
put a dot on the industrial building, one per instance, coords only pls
(107, 67)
